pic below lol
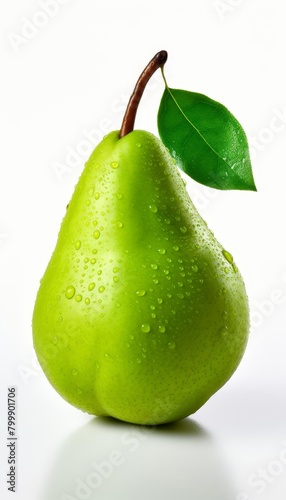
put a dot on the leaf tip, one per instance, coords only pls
(252, 186)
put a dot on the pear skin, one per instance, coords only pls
(141, 314)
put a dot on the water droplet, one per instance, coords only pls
(145, 328)
(153, 209)
(167, 221)
(156, 281)
(99, 272)
(70, 291)
(119, 196)
(235, 268)
(86, 259)
(97, 196)
(115, 269)
(77, 245)
(115, 279)
(154, 266)
(140, 293)
(153, 315)
(224, 331)
(114, 164)
(119, 224)
(87, 301)
(96, 234)
(160, 301)
(90, 191)
(226, 270)
(166, 271)
(138, 144)
(78, 298)
(74, 372)
(131, 337)
(176, 248)
(180, 284)
(161, 251)
(183, 229)
(171, 345)
(91, 286)
(93, 261)
(101, 289)
(162, 329)
(195, 268)
(127, 345)
(138, 360)
(227, 256)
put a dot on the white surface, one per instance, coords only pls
(71, 77)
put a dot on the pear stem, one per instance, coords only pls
(156, 62)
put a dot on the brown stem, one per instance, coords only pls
(129, 118)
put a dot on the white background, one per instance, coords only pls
(64, 82)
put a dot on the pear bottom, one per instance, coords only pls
(158, 360)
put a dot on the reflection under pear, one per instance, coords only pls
(108, 459)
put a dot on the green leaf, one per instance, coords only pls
(205, 139)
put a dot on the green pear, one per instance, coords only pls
(141, 314)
